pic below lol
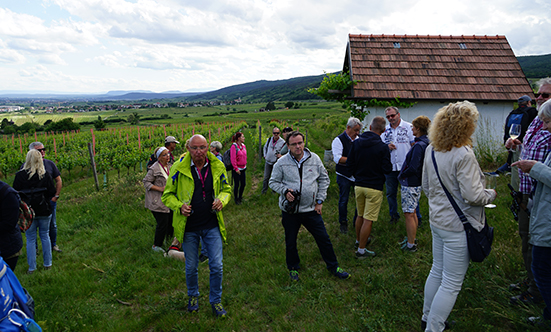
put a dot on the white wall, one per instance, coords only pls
(493, 112)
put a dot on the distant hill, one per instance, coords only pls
(536, 66)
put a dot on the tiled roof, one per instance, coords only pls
(434, 67)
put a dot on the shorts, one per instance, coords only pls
(410, 198)
(368, 202)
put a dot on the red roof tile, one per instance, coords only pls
(434, 67)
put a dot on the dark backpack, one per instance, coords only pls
(36, 200)
(226, 159)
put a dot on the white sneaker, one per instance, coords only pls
(159, 249)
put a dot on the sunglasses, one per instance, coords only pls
(276, 133)
(390, 116)
(42, 150)
(543, 95)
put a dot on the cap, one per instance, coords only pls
(171, 139)
(524, 99)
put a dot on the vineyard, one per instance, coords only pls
(114, 149)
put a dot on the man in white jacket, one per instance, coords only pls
(270, 152)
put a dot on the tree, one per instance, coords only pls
(99, 124)
(270, 106)
(134, 118)
(289, 104)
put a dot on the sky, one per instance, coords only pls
(96, 46)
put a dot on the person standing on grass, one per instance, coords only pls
(154, 183)
(410, 180)
(284, 133)
(215, 148)
(196, 190)
(11, 240)
(540, 222)
(270, 151)
(341, 147)
(369, 161)
(458, 169)
(170, 144)
(36, 186)
(52, 169)
(238, 155)
(302, 181)
(399, 138)
(535, 146)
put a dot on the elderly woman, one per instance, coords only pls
(36, 188)
(154, 183)
(540, 221)
(450, 138)
(215, 148)
(410, 180)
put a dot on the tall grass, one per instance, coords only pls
(108, 279)
(489, 151)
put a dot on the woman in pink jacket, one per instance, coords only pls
(238, 155)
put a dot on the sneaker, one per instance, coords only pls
(56, 248)
(526, 298)
(539, 322)
(193, 304)
(447, 325)
(294, 275)
(519, 286)
(344, 229)
(412, 249)
(218, 310)
(357, 243)
(203, 258)
(367, 253)
(339, 273)
(405, 241)
(158, 249)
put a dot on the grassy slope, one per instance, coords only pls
(109, 279)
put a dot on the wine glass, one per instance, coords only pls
(514, 132)
(491, 183)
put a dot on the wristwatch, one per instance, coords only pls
(319, 201)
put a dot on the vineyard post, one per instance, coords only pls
(93, 163)
(306, 139)
(259, 142)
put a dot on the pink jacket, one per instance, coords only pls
(239, 159)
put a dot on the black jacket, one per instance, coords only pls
(11, 240)
(23, 183)
(369, 160)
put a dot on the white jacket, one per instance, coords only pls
(464, 179)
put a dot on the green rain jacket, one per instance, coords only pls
(179, 189)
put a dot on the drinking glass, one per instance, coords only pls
(491, 183)
(514, 132)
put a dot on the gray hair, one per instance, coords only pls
(392, 108)
(378, 124)
(216, 145)
(544, 81)
(545, 110)
(353, 122)
(33, 145)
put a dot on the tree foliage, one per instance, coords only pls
(134, 118)
(270, 106)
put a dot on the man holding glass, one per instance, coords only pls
(536, 144)
(196, 190)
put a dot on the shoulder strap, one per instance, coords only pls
(450, 197)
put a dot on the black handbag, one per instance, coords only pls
(478, 243)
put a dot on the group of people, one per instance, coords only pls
(38, 184)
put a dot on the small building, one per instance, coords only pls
(433, 71)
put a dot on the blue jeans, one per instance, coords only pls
(53, 224)
(43, 225)
(314, 224)
(541, 268)
(391, 194)
(213, 243)
(344, 194)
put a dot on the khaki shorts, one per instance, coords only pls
(368, 202)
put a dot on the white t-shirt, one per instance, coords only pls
(402, 137)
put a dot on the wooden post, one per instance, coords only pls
(93, 163)
(306, 139)
(259, 142)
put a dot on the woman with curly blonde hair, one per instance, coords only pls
(36, 188)
(450, 136)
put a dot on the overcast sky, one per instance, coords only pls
(95, 46)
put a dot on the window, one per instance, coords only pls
(462, 46)
(396, 45)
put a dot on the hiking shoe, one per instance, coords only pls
(158, 249)
(539, 322)
(203, 258)
(193, 304)
(218, 310)
(367, 253)
(341, 274)
(357, 243)
(294, 275)
(56, 248)
(344, 229)
(526, 298)
(519, 286)
(405, 241)
(412, 249)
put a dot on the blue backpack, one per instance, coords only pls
(17, 306)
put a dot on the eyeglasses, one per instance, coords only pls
(543, 95)
(297, 144)
(390, 116)
(42, 150)
(195, 148)
(276, 133)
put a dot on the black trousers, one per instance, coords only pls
(164, 227)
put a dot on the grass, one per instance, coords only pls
(108, 279)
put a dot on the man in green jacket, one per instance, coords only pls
(196, 190)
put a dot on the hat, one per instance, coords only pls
(524, 99)
(171, 139)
